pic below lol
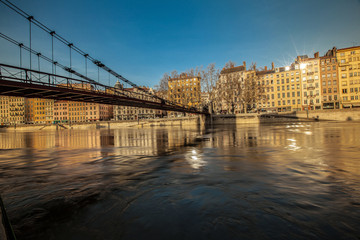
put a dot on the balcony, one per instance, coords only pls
(310, 73)
(310, 80)
(310, 88)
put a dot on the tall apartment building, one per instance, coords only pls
(282, 88)
(134, 113)
(185, 90)
(287, 83)
(349, 76)
(329, 80)
(61, 111)
(310, 87)
(39, 110)
(226, 89)
(12, 110)
(84, 111)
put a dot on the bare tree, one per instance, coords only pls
(252, 91)
(227, 92)
(174, 74)
(209, 77)
(162, 89)
(229, 64)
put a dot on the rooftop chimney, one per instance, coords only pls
(244, 64)
(272, 66)
(316, 55)
(265, 68)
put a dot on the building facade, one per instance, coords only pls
(12, 110)
(185, 90)
(61, 111)
(310, 87)
(329, 80)
(39, 110)
(349, 76)
(123, 113)
(226, 90)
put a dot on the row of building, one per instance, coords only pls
(19, 110)
(331, 81)
(324, 82)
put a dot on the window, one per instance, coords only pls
(344, 90)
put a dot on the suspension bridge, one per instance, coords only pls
(35, 83)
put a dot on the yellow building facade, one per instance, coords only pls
(329, 80)
(287, 85)
(185, 90)
(39, 110)
(12, 110)
(349, 76)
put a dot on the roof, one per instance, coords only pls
(183, 78)
(348, 48)
(233, 69)
(265, 72)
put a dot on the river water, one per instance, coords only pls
(275, 181)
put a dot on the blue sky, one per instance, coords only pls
(144, 39)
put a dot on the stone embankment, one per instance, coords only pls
(181, 121)
(320, 115)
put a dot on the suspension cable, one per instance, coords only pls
(49, 60)
(63, 40)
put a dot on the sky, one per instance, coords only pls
(142, 40)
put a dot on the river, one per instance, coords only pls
(267, 181)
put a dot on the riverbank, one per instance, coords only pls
(340, 115)
(160, 122)
(249, 118)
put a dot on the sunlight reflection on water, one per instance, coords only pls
(241, 182)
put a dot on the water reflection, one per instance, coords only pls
(195, 159)
(233, 182)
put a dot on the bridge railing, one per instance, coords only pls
(28, 76)
(18, 74)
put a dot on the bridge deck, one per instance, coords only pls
(13, 85)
